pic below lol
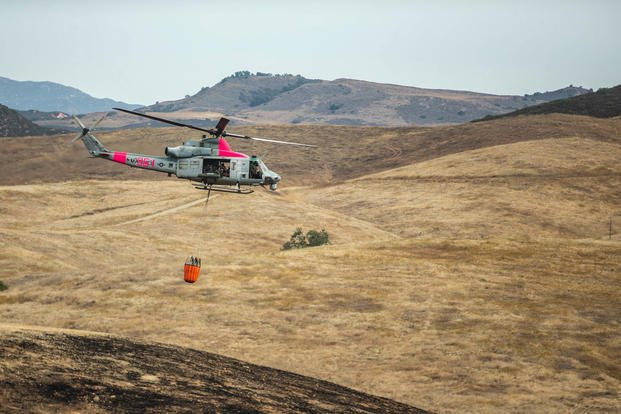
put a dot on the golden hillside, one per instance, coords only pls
(476, 277)
(558, 187)
(343, 153)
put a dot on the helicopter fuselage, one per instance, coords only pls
(210, 162)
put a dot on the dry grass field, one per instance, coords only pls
(470, 267)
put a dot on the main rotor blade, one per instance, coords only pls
(168, 121)
(219, 131)
(227, 134)
(222, 123)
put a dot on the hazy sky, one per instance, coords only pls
(144, 51)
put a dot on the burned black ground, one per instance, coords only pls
(46, 370)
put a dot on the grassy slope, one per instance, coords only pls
(344, 153)
(604, 103)
(478, 281)
(67, 371)
(509, 191)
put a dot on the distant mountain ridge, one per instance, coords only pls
(265, 98)
(291, 99)
(50, 96)
(239, 91)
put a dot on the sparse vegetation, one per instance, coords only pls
(605, 103)
(317, 238)
(312, 238)
(334, 106)
(256, 97)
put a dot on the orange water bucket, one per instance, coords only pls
(191, 269)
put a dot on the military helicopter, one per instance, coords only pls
(210, 162)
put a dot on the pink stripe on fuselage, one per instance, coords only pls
(224, 150)
(119, 157)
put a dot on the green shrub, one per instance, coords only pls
(312, 238)
(335, 106)
(317, 238)
(3, 286)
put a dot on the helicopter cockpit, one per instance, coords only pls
(255, 168)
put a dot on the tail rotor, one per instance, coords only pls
(86, 130)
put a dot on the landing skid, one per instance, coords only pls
(236, 190)
(211, 187)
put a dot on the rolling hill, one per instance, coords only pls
(470, 269)
(605, 103)
(344, 152)
(12, 124)
(50, 96)
(64, 371)
(266, 98)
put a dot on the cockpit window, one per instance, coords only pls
(255, 170)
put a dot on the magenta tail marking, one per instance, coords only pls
(120, 157)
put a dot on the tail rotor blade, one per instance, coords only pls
(98, 122)
(86, 130)
(77, 138)
(78, 121)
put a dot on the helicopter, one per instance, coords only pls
(210, 163)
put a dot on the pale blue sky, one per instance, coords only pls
(143, 51)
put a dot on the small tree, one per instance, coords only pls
(317, 238)
(312, 238)
(3, 286)
(297, 240)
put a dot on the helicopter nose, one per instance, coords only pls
(272, 179)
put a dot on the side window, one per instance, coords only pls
(224, 168)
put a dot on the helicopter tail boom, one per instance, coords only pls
(148, 162)
(93, 145)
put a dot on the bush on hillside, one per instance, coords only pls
(312, 238)
(317, 238)
(3, 286)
